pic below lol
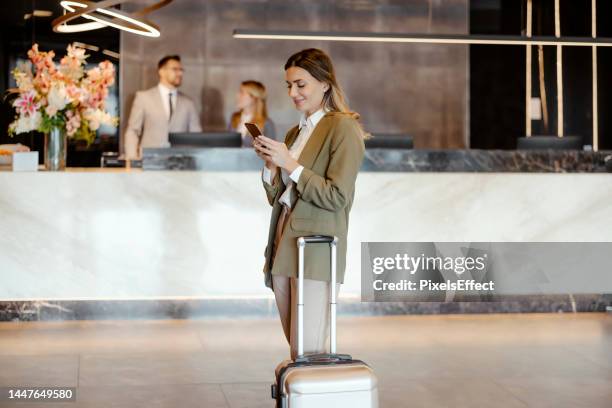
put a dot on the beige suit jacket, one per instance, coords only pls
(325, 190)
(148, 124)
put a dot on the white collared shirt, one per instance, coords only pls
(307, 126)
(164, 91)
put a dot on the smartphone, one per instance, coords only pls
(253, 129)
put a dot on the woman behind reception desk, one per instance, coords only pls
(310, 182)
(251, 104)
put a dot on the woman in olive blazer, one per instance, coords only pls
(326, 188)
(310, 182)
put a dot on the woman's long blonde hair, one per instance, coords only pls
(319, 65)
(258, 91)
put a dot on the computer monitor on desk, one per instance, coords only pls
(205, 139)
(549, 142)
(389, 141)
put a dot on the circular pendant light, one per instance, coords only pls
(102, 15)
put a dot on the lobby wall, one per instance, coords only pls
(417, 89)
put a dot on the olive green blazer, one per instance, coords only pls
(324, 196)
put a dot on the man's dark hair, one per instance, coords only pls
(167, 58)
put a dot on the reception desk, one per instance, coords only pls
(127, 235)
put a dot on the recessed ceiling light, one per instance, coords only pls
(42, 13)
(86, 46)
(111, 53)
(38, 13)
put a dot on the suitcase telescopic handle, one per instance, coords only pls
(301, 243)
(316, 239)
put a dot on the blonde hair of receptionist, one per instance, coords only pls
(258, 92)
(319, 65)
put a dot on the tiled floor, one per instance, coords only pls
(527, 360)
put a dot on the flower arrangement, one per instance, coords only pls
(63, 96)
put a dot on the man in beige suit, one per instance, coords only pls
(160, 110)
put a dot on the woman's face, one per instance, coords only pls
(244, 99)
(305, 90)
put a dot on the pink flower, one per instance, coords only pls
(42, 82)
(73, 122)
(74, 94)
(108, 72)
(42, 60)
(94, 74)
(26, 104)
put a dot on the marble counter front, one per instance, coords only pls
(392, 160)
(193, 235)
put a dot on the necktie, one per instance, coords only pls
(170, 104)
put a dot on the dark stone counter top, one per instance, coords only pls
(45, 310)
(389, 160)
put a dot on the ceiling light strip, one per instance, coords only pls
(421, 38)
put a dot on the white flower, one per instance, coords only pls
(27, 123)
(57, 99)
(98, 117)
(23, 76)
(77, 53)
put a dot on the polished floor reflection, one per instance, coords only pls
(510, 360)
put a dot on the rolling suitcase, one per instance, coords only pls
(323, 380)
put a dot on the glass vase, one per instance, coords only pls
(55, 149)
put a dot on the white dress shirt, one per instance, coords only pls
(164, 91)
(307, 126)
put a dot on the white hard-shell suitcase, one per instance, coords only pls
(323, 380)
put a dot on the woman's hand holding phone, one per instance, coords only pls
(255, 134)
(262, 155)
(275, 152)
